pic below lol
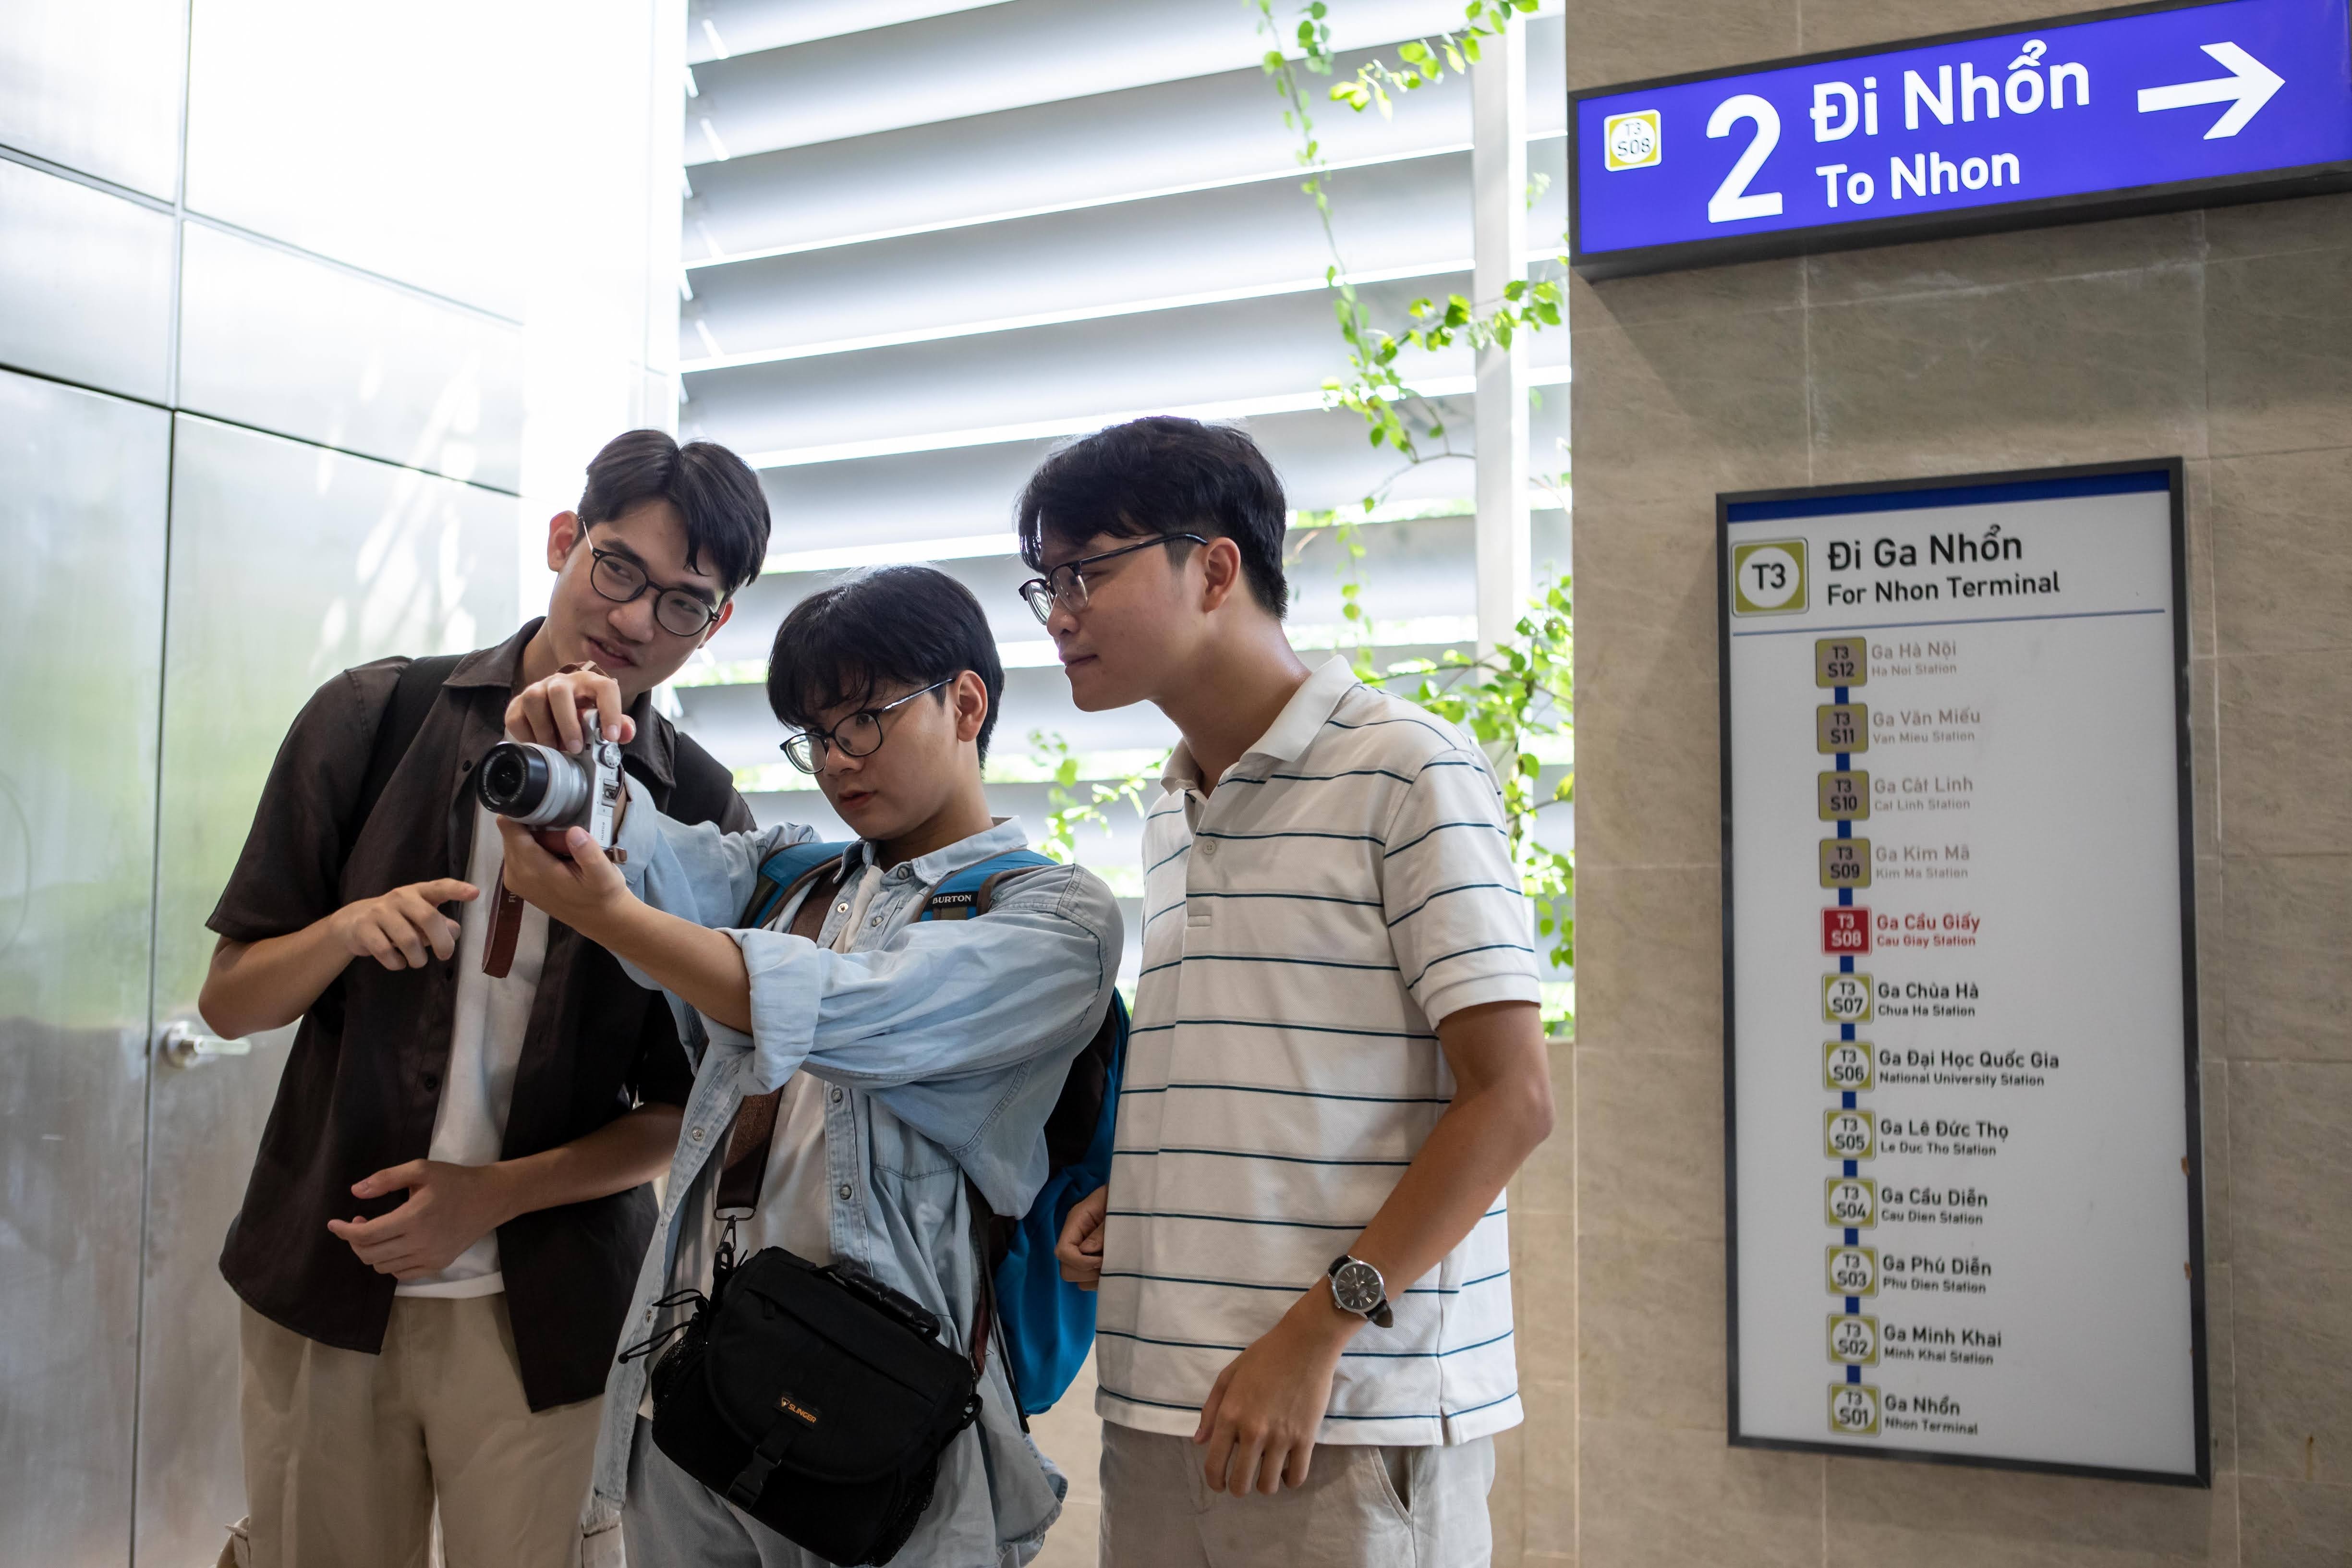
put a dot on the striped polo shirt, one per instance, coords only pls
(1346, 886)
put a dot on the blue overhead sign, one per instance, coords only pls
(2141, 110)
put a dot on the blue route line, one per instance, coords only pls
(1846, 1100)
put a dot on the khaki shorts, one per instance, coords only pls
(1397, 1507)
(346, 1453)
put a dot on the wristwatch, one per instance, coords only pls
(1356, 1287)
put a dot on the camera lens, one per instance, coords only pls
(536, 785)
(506, 780)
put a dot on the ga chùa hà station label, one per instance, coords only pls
(1962, 1119)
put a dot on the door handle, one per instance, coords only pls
(184, 1045)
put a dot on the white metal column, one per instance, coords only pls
(1498, 178)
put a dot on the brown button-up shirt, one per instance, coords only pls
(364, 1081)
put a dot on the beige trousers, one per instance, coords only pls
(345, 1453)
(1362, 1506)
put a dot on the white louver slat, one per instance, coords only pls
(1066, 153)
(926, 240)
(967, 63)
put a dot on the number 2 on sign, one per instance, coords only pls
(1732, 200)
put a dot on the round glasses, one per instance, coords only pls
(680, 611)
(1066, 584)
(859, 735)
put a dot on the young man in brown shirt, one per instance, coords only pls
(449, 1203)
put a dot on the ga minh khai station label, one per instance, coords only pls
(1961, 1101)
(2142, 110)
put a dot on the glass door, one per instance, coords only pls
(288, 563)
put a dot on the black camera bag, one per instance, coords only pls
(817, 1400)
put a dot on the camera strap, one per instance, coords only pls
(506, 930)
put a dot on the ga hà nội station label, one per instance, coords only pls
(2141, 110)
(1961, 1117)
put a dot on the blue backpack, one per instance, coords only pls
(1046, 1325)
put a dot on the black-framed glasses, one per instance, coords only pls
(1066, 584)
(859, 735)
(681, 611)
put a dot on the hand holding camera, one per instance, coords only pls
(563, 769)
(549, 712)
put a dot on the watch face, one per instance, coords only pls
(1358, 1287)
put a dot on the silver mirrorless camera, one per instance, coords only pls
(551, 791)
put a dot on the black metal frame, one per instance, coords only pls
(2308, 180)
(2174, 469)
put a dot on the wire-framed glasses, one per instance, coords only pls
(1066, 584)
(681, 611)
(859, 735)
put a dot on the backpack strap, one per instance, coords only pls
(781, 873)
(412, 696)
(969, 893)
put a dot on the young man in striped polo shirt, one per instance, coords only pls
(1337, 1061)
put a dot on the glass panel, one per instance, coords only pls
(288, 563)
(412, 168)
(287, 343)
(96, 88)
(81, 612)
(89, 279)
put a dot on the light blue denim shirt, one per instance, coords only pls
(948, 1041)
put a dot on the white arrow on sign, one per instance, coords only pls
(2246, 89)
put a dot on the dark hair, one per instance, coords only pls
(890, 626)
(716, 492)
(1162, 475)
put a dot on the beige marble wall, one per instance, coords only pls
(2222, 336)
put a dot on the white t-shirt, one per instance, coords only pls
(485, 1045)
(795, 1207)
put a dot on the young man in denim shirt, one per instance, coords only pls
(909, 1057)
